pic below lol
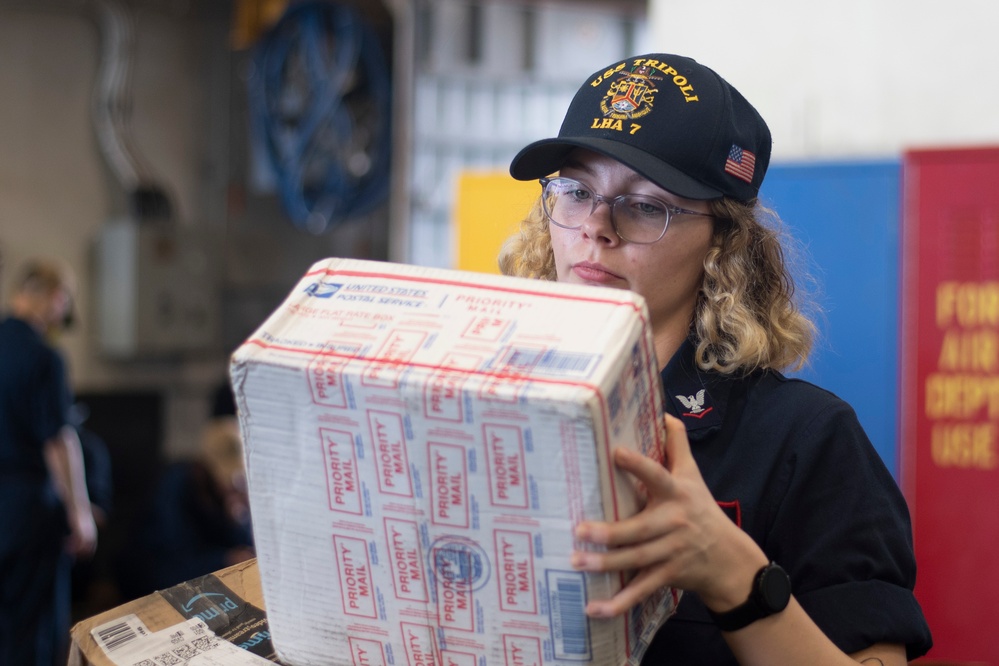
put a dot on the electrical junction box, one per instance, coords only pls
(157, 290)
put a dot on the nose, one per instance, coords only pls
(599, 225)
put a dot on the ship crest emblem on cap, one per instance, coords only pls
(631, 95)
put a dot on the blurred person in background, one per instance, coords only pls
(198, 520)
(45, 513)
(91, 592)
(769, 507)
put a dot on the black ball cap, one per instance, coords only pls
(667, 117)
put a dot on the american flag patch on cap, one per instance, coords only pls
(740, 163)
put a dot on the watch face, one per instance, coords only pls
(775, 588)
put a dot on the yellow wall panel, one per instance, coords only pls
(489, 208)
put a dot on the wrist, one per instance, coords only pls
(733, 587)
(769, 594)
(83, 517)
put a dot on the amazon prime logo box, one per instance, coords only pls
(226, 613)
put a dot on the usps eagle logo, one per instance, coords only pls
(631, 95)
(695, 403)
(322, 289)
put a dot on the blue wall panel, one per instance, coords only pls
(847, 217)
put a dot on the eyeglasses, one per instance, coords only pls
(636, 218)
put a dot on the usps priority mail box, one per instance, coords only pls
(420, 444)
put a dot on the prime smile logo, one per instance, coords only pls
(216, 607)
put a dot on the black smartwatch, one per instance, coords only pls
(770, 594)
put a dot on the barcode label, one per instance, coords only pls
(567, 363)
(549, 362)
(570, 626)
(118, 633)
(127, 642)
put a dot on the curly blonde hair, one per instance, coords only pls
(747, 315)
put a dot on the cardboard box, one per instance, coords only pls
(420, 444)
(229, 602)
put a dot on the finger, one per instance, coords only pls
(656, 486)
(635, 592)
(621, 559)
(678, 455)
(645, 525)
(649, 472)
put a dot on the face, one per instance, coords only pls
(666, 273)
(57, 307)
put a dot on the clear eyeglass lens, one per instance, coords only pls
(636, 218)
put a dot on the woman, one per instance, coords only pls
(773, 511)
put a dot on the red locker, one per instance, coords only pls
(949, 443)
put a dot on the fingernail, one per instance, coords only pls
(595, 611)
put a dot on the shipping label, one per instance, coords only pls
(128, 642)
(504, 447)
(356, 586)
(342, 481)
(567, 612)
(449, 484)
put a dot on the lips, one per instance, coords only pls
(596, 273)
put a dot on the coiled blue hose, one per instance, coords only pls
(320, 105)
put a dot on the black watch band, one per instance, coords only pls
(770, 594)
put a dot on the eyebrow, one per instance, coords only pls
(573, 164)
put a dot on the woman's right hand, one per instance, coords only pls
(680, 539)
